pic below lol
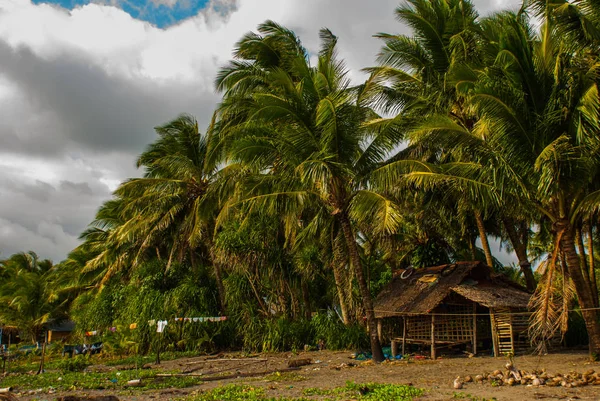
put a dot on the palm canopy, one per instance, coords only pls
(303, 124)
(577, 20)
(301, 129)
(171, 200)
(413, 71)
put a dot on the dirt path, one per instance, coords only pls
(334, 369)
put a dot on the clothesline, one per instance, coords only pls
(161, 324)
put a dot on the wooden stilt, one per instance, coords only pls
(394, 348)
(433, 337)
(474, 348)
(380, 330)
(512, 335)
(404, 336)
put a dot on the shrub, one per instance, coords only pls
(75, 364)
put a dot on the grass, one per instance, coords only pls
(368, 391)
(54, 360)
(353, 391)
(64, 381)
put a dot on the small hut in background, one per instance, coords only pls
(463, 303)
(59, 331)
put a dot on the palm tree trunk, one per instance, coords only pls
(591, 263)
(581, 252)
(584, 293)
(338, 276)
(472, 248)
(484, 239)
(520, 248)
(362, 284)
(306, 299)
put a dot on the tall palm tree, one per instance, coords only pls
(174, 198)
(300, 128)
(535, 139)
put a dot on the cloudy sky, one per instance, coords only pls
(83, 83)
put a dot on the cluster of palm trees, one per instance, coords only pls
(33, 293)
(306, 188)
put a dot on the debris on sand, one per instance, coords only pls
(296, 363)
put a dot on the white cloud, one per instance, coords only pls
(82, 89)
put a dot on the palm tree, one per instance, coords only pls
(535, 138)
(300, 129)
(423, 76)
(32, 296)
(169, 213)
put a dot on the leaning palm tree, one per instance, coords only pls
(172, 204)
(300, 129)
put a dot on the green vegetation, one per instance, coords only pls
(117, 380)
(307, 190)
(366, 392)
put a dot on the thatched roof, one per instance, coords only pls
(9, 329)
(426, 288)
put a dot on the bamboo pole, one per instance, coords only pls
(474, 328)
(404, 336)
(512, 336)
(433, 337)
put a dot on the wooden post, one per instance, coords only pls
(380, 330)
(433, 337)
(474, 328)
(157, 362)
(494, 333)
(512, 337)
(404, 335)
(394, 347)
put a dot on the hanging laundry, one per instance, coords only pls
(160, 326)
(133, 326)
(91, 333)
(151, 322)
(113, 329)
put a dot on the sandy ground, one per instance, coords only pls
(333, 369)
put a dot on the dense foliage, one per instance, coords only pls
(306, 192)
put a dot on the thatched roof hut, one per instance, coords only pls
(441, 306)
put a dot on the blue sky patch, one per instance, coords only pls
(158, 12)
